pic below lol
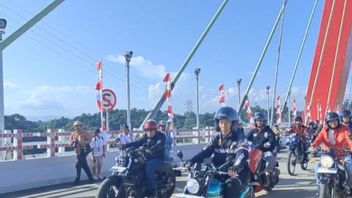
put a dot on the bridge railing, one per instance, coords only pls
(54, 142)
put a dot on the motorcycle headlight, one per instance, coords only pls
(192, 186)
(326, 161)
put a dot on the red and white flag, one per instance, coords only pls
(308, 115)
(99, 84)
(278, 110)
(99, 88)
(170, 113)
(222, 95)
(294, 110)
(249, 112)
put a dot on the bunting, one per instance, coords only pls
(99, 88)
(249, 112)
(222, 95)
(278, 110)
(170, 113)
(294, 110)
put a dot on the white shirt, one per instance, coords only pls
(124, 139)
(97, 146)
(105, 136)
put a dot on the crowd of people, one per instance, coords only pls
(159, 138)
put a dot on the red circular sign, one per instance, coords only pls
(109, 100)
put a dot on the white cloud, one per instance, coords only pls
(143, 66)
(10, 85)
(155, 91)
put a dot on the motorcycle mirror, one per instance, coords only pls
(179, 154)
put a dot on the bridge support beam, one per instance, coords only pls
(332, 59)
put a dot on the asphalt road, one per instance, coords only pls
(302, 186)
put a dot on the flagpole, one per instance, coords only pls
(101, 96)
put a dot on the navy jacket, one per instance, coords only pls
(220, 147)
(154, 147)
(259, 138)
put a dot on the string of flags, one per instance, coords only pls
(278, 110)
(167, 80)
(222, 95)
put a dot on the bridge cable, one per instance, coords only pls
(277, 66)
(320, 58)
(299, 55)
(261, 58)
(336, 52)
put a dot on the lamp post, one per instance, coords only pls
(268, 114)
(2, 111)
(128, 56)
(196, 72)
(239, 90)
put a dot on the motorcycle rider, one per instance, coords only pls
(301, 131)
(224, 144)
(264, 138)
(345, 116)
(154, 148)
(335, 135)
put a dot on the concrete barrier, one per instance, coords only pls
(33, 173)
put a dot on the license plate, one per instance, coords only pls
(327, 170)
(118, 169)
(181, 195)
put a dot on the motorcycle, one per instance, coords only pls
(259, 179)
(332, 176)
(203, 181)
(128, 178)
(296, 154)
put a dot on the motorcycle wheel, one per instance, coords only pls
(109, 189)
(170, 183)
(304, 166)
(291, 163)
(324, 191)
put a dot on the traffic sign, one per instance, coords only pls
(109, 100)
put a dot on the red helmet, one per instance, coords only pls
(150, 124)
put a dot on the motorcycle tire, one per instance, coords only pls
(304, 166)
(108, 188)
(170, 181)
(291, 163)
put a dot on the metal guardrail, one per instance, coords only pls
(13, 145)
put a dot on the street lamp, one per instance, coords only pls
(268, 114)
(2, 112)
(196, 72)
(239, 90)
(128, 56)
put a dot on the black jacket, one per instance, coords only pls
(154, 147)
(220, 147)
(259, 138)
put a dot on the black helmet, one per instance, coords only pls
(345, 113)
(259, 116)
(332, 116)
(227, 113)
(298, 119)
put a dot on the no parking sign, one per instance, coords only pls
(109, 100)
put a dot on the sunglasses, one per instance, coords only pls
(149, 130)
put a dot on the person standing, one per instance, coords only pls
(97, 145)
(126, 136)
(169, 140)
(80, 140)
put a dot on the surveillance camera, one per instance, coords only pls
(128, 54)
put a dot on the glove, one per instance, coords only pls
(189, 165)
(147, 151)
(267, 145)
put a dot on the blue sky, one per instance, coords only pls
(50, 70)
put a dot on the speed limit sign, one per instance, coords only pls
(109, 100)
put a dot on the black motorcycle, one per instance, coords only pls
(332, 176)
(129, 180)
(204, 180)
